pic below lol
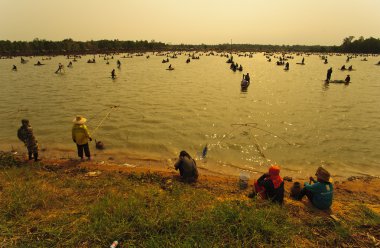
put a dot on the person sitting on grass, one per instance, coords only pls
(320, 191)
(187, 167)
(270, 185)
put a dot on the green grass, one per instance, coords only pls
(44, 209)
(162, 221)
(64, 208)
(367, 216)
(9, 160)
(360, 220)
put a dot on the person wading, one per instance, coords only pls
(81, 136)
(329, 72)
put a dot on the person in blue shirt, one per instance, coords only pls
(320, 191)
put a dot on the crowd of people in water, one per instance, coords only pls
(347, 80)
(282, 60)
(270, 185)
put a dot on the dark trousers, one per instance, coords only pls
(306, 192)
(86, 150)
(33, 155)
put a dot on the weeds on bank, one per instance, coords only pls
(42, 207)
(367, 216)
(355, 228)
(7, 160)
(39, 209)
(161, 221)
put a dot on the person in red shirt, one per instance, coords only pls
(270, 185)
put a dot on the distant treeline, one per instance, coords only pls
(69, 46)
(361, 45)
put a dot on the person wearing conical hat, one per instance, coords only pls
(81, 136)
(320, 191)
(270, 185)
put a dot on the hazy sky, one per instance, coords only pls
(324, 22)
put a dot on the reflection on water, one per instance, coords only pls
(162, 112)
(325, 86)
(243, 90)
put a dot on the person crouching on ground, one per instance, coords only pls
(187, 167)
(270, 185)
(320, 193)
(25, 134)
(81, 136)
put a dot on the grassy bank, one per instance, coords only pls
(75, 205)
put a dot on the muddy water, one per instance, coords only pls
(162, 112)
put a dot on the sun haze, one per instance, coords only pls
(323, 22)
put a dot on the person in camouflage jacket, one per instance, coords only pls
(25, 134)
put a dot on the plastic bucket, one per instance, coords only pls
(243, 180)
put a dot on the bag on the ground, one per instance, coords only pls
(295, 190)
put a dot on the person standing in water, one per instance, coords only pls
(81, 136)
(113, 74)
(247, 77)
(60, 67)
(329, 72)
(348, 79)
(287, 66)
(118, 64)
(14, 68)
(25, 134)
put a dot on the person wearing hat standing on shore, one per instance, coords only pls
(320, 191)
(270, 185)
(81, 136)
(25, 134)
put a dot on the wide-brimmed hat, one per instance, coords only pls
(323, 174)
(79, 120)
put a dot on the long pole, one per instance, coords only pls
(105, 117)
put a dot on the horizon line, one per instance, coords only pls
(175, 44)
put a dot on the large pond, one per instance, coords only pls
(295, 119)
